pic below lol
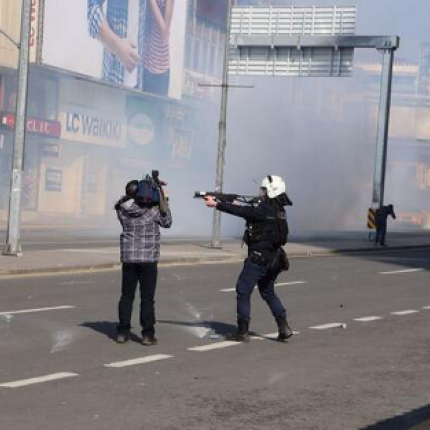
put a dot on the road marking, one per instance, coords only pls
(395, 272)
(426, 307)
(281, 284)
(270, 336)
(407, 312)
(368, 319)
(141, 360)
(213, 346)
(41, 379)
(285, 284)
(327, 326)
(29, 311)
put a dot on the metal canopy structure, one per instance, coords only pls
(284, 41)
(313, 41)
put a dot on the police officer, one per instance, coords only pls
(381, 221)
(266, 233)
(140, 251)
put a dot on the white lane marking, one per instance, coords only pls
(426, 308)
(281, 284)
(141, 360)
(213, 346)
(39, 380)
(368, 319)
(407, 312)
(285, 284)
(395, 272)
(270, 336)
(29, 311)
(327, 326)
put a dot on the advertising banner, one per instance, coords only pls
(135, 43)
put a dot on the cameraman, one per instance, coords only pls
(140, 252)
(267, 232)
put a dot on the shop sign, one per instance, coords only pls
(54, 180)
(51, 150)
(81, 125)
(37, 126)
(194, 86)
(34, 29)
(141, 129)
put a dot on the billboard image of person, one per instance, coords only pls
(136, 43)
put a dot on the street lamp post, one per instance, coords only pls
(222, 138)
(13, 246)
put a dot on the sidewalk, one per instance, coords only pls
(79, 259)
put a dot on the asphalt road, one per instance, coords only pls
(371, 374)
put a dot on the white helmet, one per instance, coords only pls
(274, 185)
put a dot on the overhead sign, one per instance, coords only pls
(291, 23)
(41, 127)
(85, 126)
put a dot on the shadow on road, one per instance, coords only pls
(417, 419)
(219, 328)
(108, 328)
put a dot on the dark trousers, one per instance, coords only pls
(252, 275)
(144, 274)
(156, 83)
(381, 231)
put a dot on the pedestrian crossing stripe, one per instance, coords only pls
(371, 224)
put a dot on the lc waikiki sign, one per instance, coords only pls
(85, 126)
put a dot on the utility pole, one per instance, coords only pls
(13, 246)
(383, 128)
(222, 138)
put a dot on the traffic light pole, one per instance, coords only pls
(13, 246)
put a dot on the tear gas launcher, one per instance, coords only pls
(227, 198)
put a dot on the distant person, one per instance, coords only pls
(381, 220)
(140, 252)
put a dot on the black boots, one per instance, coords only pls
(242, 334)
(284, 330)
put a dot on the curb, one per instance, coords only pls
(190, 261)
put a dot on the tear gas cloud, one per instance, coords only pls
(318, 133)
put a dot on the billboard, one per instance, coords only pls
(135, 43)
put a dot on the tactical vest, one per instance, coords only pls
(273, 231)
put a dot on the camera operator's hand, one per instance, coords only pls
(211, 202)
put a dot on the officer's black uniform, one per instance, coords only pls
(381, 218)
(266, 224)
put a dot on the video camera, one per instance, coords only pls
(149, 191)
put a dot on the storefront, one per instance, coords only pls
(42, 131)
